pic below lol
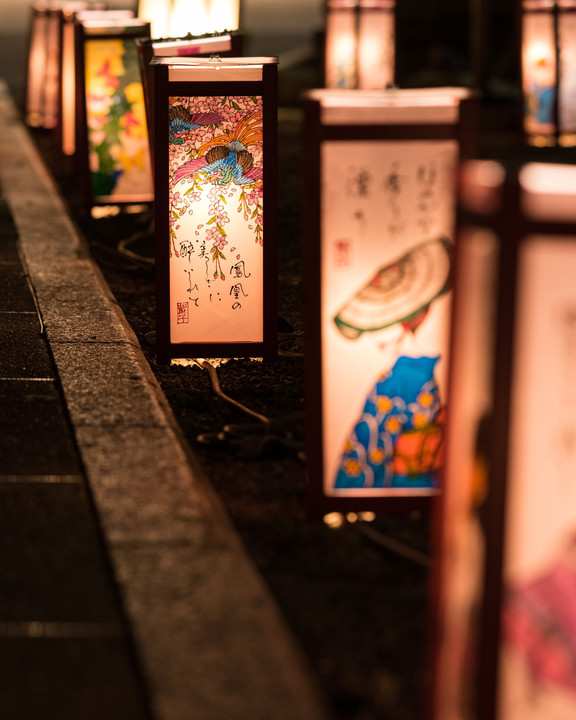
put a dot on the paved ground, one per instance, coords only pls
(125, 591)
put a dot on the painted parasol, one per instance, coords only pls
(399, 292)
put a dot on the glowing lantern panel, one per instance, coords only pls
(508, 577)
(216, 249)
(549, 71)
(386, 208)
(117, 139)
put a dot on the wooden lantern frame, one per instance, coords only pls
(493, 200)
(128, 29)
(317, 130)
(215, 78)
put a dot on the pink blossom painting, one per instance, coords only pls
(216, 218)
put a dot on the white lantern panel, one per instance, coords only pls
(387, 218)
(538, 675)
(216, 219)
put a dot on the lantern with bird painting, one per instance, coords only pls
(379, 238)
(215, 203)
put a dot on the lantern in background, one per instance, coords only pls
(549, 71)
(379, 232)
(340, 53)
(224, 15)
(360, 42)
(157, 13)
(43, 72)
(376, 44)
(224, 45)
(189, 16)
(70, 15)
(35, 72)
(215, 207)
(113, 150)
(507, 570)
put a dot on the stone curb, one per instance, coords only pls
(212, 642)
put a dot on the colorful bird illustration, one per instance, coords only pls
(227, 155)
(181, 122)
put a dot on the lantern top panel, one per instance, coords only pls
(172, 47)
(112, 26)
(390, 107)
(548, 192)
(193, 69)
(101, 15)
(548, 5)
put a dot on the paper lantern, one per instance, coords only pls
(70, 15)
(189, 16)
(157, 13)
(113, 149)
(224, 15)
(506, 581)
(379, 230)
(215, 207)
(549, 71)
(360, 41)
(43, 71)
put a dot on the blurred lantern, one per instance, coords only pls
(113, 151)
(70, 15)
(341, 41)
(223, 44)
(43, 71)
(379, 223)
(224, 15)
(37, 51)
(549, 71)
(157, 13)
(506, 586)
(215, 207)
(359, 51)
(189, 16)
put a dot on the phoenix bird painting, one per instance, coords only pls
(181, 122)
(227, 156)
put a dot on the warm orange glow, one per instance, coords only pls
(375, 48)
(341, 47)
(224, 15)
(189, 16)
(157, 13)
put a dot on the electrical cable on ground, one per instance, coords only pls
(393, 545)
(219, 392)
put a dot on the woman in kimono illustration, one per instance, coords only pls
(397, 440)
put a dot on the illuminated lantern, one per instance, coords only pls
(42, 85)
(70, 15)
(341, 40)
(189, 16)
(360, 42)
(549, 71)
(224, 15)
(376, 43)
(113, 149)
(506, 587)
(157, 13)
(380, 213)
(215, 207)
(223, 44)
